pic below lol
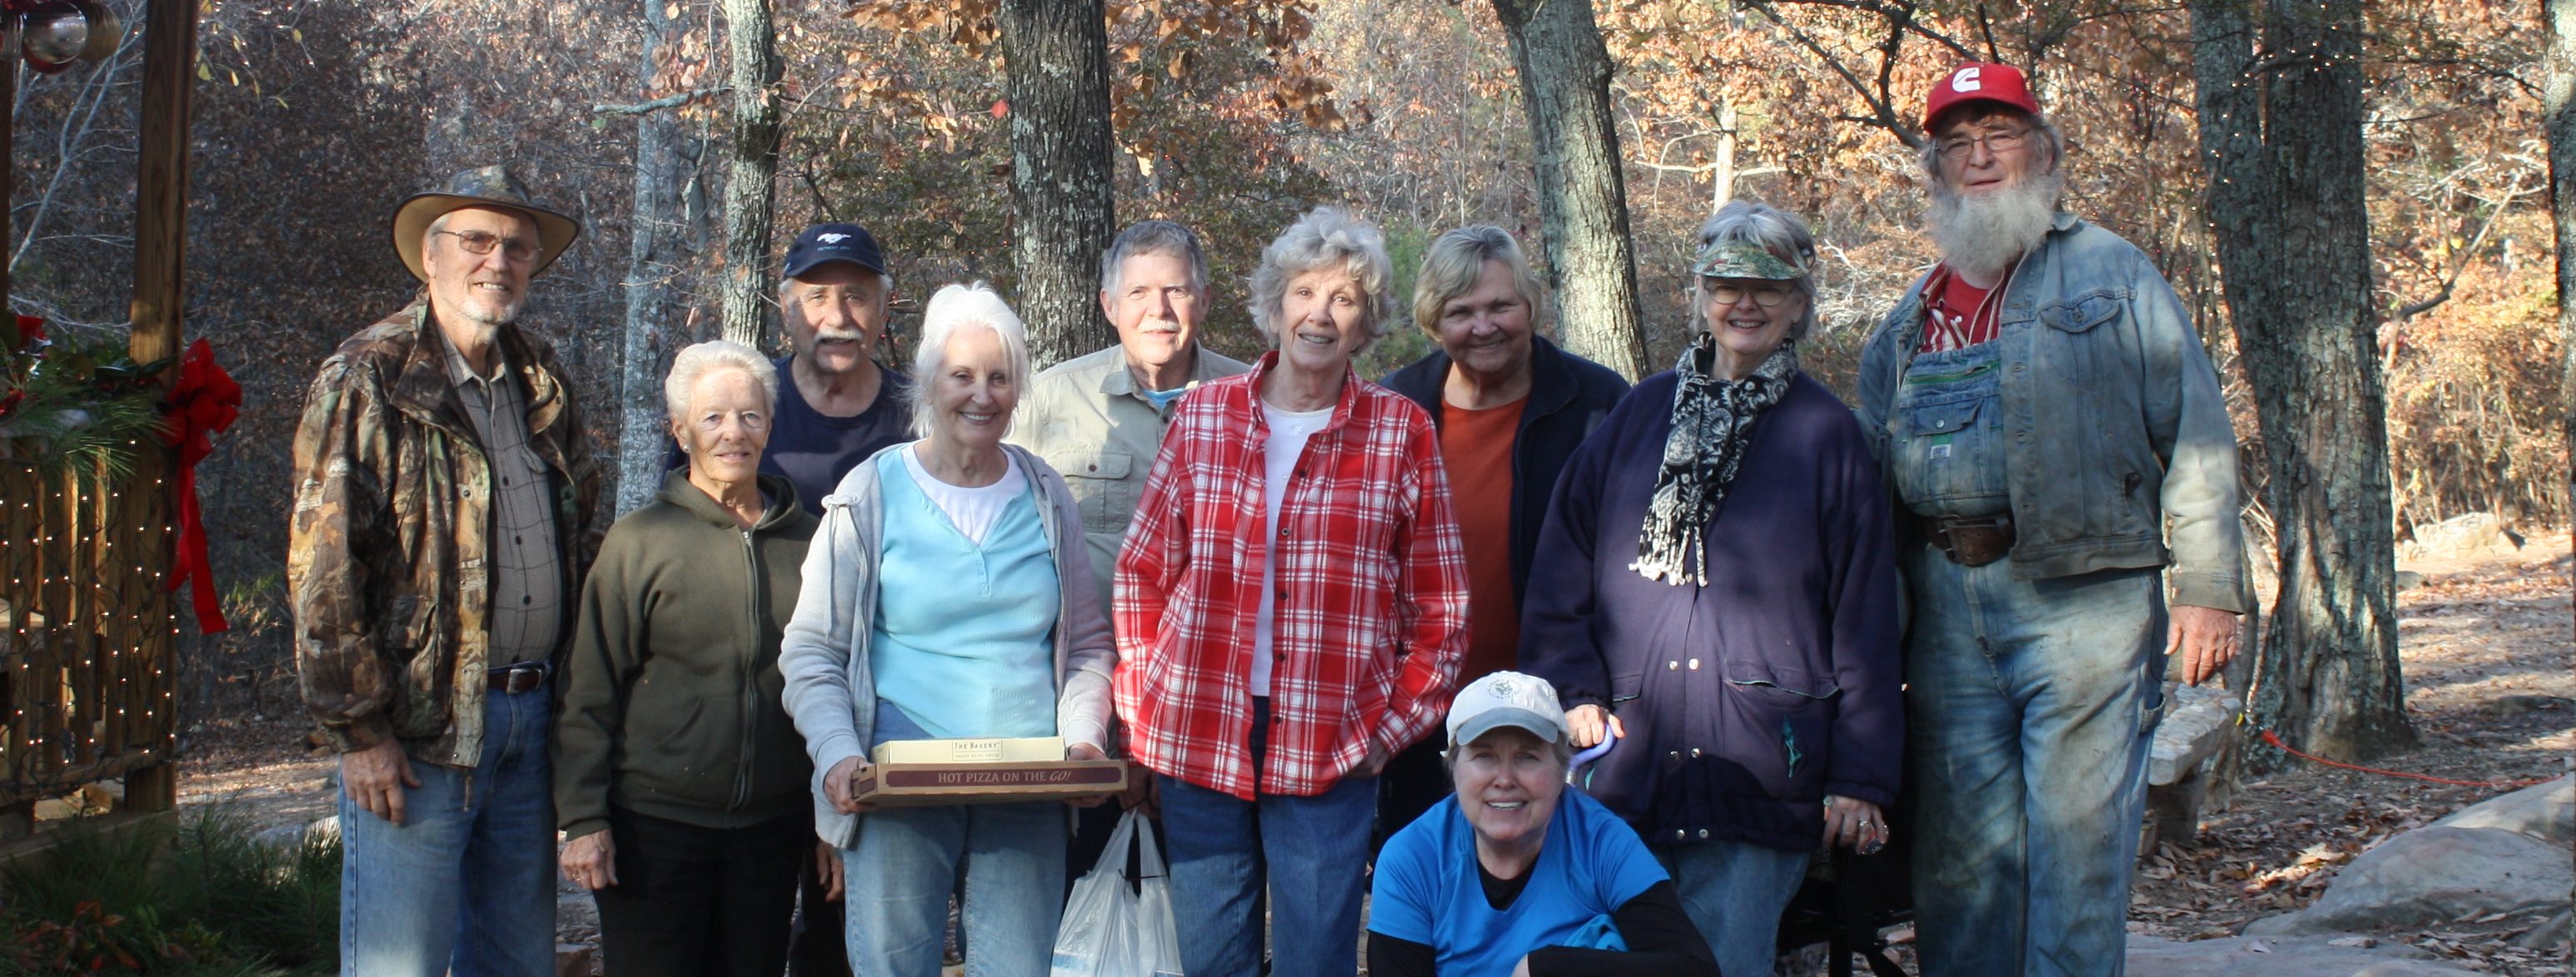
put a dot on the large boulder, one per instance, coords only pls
(2435, 874)
(2546, 812)
(2279, 956)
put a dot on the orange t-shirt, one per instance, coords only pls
(1476, 447)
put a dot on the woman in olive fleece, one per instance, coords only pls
(679, 778)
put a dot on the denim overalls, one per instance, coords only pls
(1947, 428)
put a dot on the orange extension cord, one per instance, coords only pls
(2275, 740)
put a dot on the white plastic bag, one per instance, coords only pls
(1115, 925)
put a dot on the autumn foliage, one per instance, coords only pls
(314, 117)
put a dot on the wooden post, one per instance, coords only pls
(161, 178)
(8, 156)
(160, 306)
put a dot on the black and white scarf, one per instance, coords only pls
(1712, 420)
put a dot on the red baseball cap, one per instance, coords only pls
(1979, 82)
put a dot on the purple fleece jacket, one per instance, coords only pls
(1749, 699)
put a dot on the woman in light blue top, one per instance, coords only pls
(948, 595)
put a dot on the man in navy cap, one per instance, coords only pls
(836, 404)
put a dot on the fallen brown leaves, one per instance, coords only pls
(2486, 645)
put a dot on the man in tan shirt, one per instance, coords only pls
(1099, 418)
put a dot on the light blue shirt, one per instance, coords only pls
(963, 632)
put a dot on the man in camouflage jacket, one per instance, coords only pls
(444, 513)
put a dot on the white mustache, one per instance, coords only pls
(852, 336)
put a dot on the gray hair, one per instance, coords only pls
(2048, 143)
(715, 356)
(1326, 238)
(1456, 260)
(952, 308)
(1771, 229)
(1153, 237)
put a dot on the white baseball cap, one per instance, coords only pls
(1506, 699)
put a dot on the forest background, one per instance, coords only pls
(313, 118)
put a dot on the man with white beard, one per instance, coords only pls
(2045, 410)
(1099, 418)
(445, 512)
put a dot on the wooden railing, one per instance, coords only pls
(88, 629)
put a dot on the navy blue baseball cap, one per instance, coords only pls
(823, 244)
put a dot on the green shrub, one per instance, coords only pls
(201, 897)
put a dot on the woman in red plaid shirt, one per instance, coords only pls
(1291, 611)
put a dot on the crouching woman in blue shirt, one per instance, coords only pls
(1514, 875)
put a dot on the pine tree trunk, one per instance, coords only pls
(2279, 92)
(2561, 123)
(1583, 201)
(652, 261)
(1055, 55)
(743, 288)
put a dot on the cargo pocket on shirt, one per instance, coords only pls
(1098, 480)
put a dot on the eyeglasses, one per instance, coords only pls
(1767, 296)
(1956, 147)
(482, 242)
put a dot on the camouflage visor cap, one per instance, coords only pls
(1743, 259)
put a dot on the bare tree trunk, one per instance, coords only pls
(652, 262)
(1055, 54)
(2561, 124)
(1583, 199)
(1721, 171)
(742, 291)
(2279, 99)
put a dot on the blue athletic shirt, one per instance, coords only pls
(1427, 889)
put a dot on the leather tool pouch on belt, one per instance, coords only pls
(1971, 542)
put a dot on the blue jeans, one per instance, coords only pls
(1734, 892)
(1311, 851)
(2030, 705)
(905, 864)
(467, 883)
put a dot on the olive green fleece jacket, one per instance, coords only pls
(671, 693)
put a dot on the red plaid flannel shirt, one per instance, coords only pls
(1371, 616)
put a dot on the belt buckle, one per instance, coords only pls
(515, 679)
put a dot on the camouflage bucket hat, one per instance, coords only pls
(490, 186)
(1743, 259)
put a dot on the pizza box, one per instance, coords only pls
(987, 782)
(1026, 749)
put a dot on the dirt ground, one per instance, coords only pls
(2487, 655)
(2491, 686)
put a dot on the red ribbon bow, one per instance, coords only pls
(203, 402)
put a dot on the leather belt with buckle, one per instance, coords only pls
(522, 677)
(1971, 541)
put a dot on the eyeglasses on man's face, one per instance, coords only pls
(1955, 148)
(482, 242)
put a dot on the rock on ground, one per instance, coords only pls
(2435, 874)
(2473, 534)
(2278, 956)
(2546, 812)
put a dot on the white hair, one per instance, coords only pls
(1771, 229)
(714, 356)
(952, 308)
(1985, 234)
(1326, 238)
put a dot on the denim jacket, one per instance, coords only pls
(2114, 417)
